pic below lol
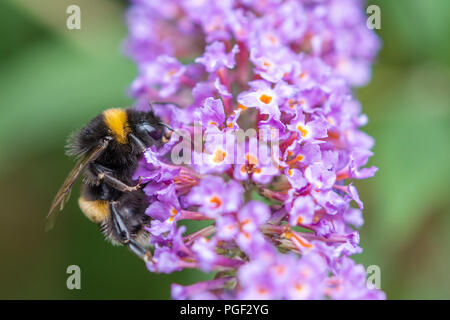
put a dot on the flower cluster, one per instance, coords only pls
(282, 227)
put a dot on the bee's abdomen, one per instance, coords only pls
(95, 210)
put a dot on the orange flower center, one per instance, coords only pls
(262, 290)
(302, 130)
(216, 201)
(265, 98)
(171, 72)
(251, 159)
(173, 213)
(241, 106)
(219, 156)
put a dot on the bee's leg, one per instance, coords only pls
(140, 251)
(117, 184)
(142, 147)
(104, 175)
(124, 235)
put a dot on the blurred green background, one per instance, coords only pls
(53, 80)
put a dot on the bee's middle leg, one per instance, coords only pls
(125, 237)
(105, 175)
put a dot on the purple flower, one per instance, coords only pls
(308, 278)
(357, 160)
(165, 259)
(218, 152)
(271, 67)
(309, 131)
(350, 283)
(211, 113)
(165, 73)
(261, 100)
(250, 218)
(205, 251)
(254, 159)
(302, 211)
(319, 176)
(215, 57)
(214, 196)
(262, 97)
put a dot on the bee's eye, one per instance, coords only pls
(149, 129)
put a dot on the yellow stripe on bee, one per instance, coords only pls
(97, 211)
(117, 121)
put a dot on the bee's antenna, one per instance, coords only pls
(161, 123)
(151, 107)
(166, 126)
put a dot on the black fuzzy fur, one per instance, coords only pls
(121, 160)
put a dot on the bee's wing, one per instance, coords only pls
(63, 193)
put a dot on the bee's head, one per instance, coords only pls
(132, 127)
(127, 128)
(146, 127)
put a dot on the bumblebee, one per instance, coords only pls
(108, 149)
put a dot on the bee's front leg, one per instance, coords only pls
(141, 252)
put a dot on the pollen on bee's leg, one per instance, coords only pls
(148, 257)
